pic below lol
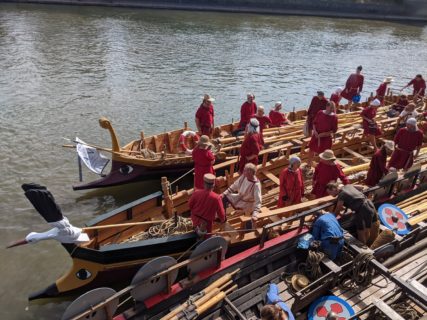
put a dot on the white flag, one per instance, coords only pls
(91, 157)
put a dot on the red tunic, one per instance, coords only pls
(323, 123)
(250, 146)
(202, 164)
(377, 168)
(247, 111)
(418, 85)
(406, 142)
(292, 186)
(381, 91)
(315, 106)
(353, 86)
(263, 122)
(335, 98)
(277, 118)
(205, 117)
(370, 113)
(205, 205)
(400, 104)
(323, 174)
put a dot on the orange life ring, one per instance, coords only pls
(182, 140)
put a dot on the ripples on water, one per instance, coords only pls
(64, 67)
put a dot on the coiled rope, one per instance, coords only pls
(164, 229)
(362, 272)
(311, 266)
(402, 308)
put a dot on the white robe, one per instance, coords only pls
(245, 195)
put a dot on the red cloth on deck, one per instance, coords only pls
(353, 86)
(381, 91)
(335, 98)
(250, 146)
(292, 186)
(247, 111)
(418, 85)
(277, 118)
(406, 142)
(323, 174)
(202, 164)
(205, 205)
(377, 168)
(206, 119)
(370, 113)
(316, 105)
(323, 123)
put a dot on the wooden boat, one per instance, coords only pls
(234, 288)
(155, 156)
(117, 246)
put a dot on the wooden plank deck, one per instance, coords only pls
(380, 286)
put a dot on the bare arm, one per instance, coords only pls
(338, 207)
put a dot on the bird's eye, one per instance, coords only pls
(83, 274)
(126, 169)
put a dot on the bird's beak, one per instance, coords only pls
(17, 243)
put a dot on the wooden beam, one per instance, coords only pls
(355, 154)
(387, 310)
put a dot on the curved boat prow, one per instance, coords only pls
(49, 292)
(106, 124)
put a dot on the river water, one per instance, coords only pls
(63, 67)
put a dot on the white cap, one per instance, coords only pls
(254, 122)
(376, 103)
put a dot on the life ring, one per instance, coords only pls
(183, 137)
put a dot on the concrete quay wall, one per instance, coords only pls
(406, 10)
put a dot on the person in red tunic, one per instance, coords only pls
(203, 161)
(205, 116)
(353, 87)
(325, 124)
(326, 171)
(382, 89)
(251, 145)
(278, 118)
(205, 206)
(399, 106)
(291, 184)
(247, 111)
(370, 127)
(407, 140)
(419, 86)
(317, 103)
(336, 96)
(263, 120)
(378, 166)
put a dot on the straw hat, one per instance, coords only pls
(299, 282)
(389, 144)
(209, 178)
(208, 98)
(204, 141)
(327, 155)
(388, 79)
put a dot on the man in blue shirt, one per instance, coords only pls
(328, 231)
(269, 311)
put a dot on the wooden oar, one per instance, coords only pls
(123, 225)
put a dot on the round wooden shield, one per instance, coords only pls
(90, 299)
(393, 218)
(145, 289)
(320, 308)
(209, 261)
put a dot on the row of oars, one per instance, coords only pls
(205, 299)
(415, 207)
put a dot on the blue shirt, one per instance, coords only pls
(326, 226)
(273, 298)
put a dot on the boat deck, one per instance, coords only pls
(382, 289)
